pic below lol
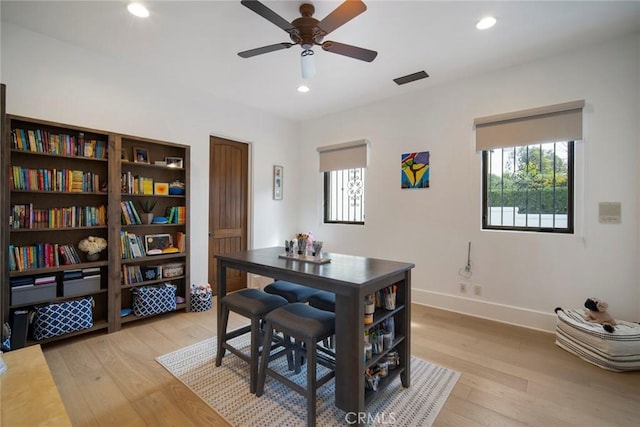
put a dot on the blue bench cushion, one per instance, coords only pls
(252, 302)
(291, 291)
(323, 300)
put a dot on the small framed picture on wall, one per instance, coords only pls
(278, 178)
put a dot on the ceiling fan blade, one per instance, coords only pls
(350, 51)
(268, 14)
(341, 15)
(265, 49)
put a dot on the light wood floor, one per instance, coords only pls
(510, 376)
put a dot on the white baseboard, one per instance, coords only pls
(518, 316)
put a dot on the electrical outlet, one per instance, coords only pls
(463, 287)
(477, 290)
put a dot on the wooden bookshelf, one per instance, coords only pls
(63, 185)
(154, 151)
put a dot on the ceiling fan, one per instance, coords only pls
(307, 32)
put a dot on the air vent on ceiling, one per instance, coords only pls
(411, 78)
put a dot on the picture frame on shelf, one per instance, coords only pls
(161, 188)
(155, 242)
(174, 162)
(278, 177)
(151, 272)
(140, 155)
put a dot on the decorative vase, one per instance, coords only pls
(146, 218)
(93, 257)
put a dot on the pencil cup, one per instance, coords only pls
(390, 301)
(368, 351)
(387, 340)
(378, 344)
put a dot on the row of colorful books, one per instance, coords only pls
(176, 214)
(41, 255)
(131, 245)
(129, 213)
(26, 216)
(132, 274)
(134, 184)
(64, 180)
(42, 141)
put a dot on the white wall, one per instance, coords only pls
(55, 81)
(524, 276)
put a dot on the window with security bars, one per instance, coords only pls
(529, 187)
(344, 196)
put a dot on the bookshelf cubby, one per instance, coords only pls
(63, 183)
(134, 192)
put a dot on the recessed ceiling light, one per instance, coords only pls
(138, 10)
(486, 22)
(303, 89)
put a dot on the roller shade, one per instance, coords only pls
(560, 122)
(344, 156)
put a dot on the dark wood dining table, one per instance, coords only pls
(351, 278)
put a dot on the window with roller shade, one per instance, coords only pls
(343, 166)
(528, 168)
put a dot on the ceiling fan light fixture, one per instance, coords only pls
(307, 64)
(486, 23)
(138, 9)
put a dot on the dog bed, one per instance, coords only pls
(618, 351)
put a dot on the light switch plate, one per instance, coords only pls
(610, 212)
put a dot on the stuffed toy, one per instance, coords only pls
(597, 313)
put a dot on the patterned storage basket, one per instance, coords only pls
(6, 337)
(148, 300)
(201, 298)
(172, 270)
(61, 318)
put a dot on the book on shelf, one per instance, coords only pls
(132, 274)
(25, 216)
(91, 272)
(21, 282)
(126, 218)
(131, 245)
(12, 259)
(44, 280)
(64, 180)
(136, 250)
(147, 185)
(129, 213)
(176, 214)
(39, 255)
(134, 211)
(41, 141)
(135, 184)
(68, 255)
(72, 274)
(180, 241)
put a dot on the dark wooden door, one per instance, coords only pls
(228, 194)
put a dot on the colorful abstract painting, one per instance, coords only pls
(415, 170)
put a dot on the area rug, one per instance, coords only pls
(226, 390)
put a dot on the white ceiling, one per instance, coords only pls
(195, 43)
